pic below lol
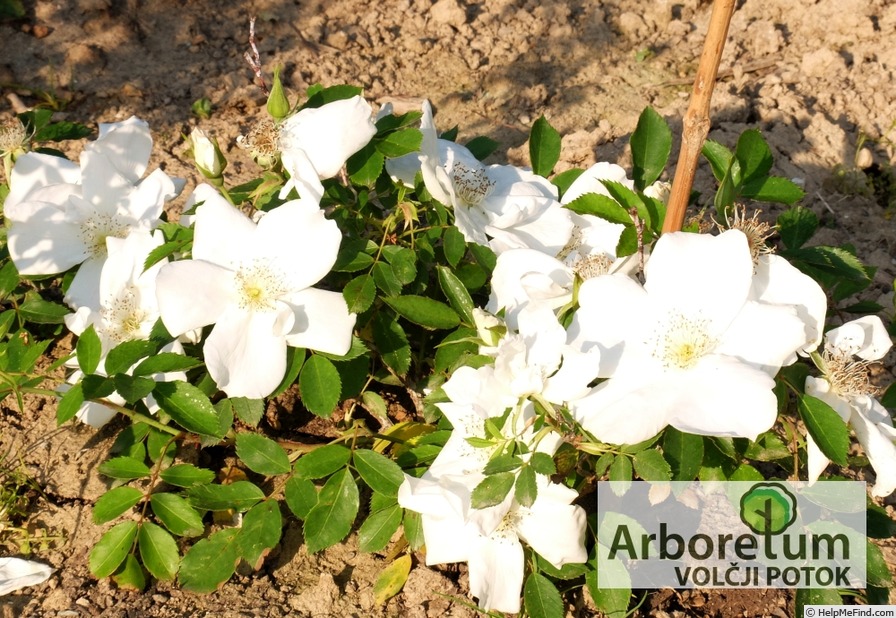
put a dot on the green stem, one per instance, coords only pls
(137, 416)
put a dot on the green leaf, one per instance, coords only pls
(319, 96)
(381, 474)
(773, 189)
(745, 472)
(563, 181)
(330, 520)
(188, 406)
(620, 471)
(124, 355)
(815, 596)
(124, 468)
(754, 156)
(260, 532)
(392, 579)
(165, 362)
(767, 447)
(400, 143)
(129, 575)
(322, 461)
(89, 350)
(365, 166)
(796, 226)
(12, 9)
(877, 569)
(320, 386)
(542, 597)
(239, 496)
(526, 489)
(115, 502)
(629, 199)
(456, 293)
(482, 146)
(97, 386)
(503, 463)
(403, 262)
(187, 475)
(543, 463)
(111, 549)
(826, 428)
(41, 311)
(392, 343)
(879, 523)
(132, 389)
(295, 358)
(353, 256)
(301, 496)
(69, 404)
(453, 245)
(600, 206)
(684, 451)
(413, 529)
(261, 455)
(719, 158)
(651, 144)
(385, 279)
(378, 528)
(176, 514)
(492, 490)
(544, 147)
(210, 562)
(424, 311)
(359, 293)
(651, 466)
(9, 277)
(158, 551)
(248, 410)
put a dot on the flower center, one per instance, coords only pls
(12, 136)
(756, 231)
(259, 285)
(471, 185)
(99, 226)
(849, 377)
(507, 529)
(591, 266)
(263, 140)
(123, 317)
(682, 341)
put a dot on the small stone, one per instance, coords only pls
(864, 159)
(449, 12)
(160, 598)
(40, 31)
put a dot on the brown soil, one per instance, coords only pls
(813, 75)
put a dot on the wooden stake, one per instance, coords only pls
(696, 119)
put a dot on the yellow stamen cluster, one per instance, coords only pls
(96, 228)
(848, 376)
(471, 185)
(756, 231)
(13, 137)
(259, 285)
(682, 341)
(592, 266)
(262, 141)
(123, 317)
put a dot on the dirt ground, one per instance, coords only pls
(814, 75)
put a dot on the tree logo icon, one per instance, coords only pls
(768, 508)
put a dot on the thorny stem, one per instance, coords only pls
(254, 58)
(696, 119)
